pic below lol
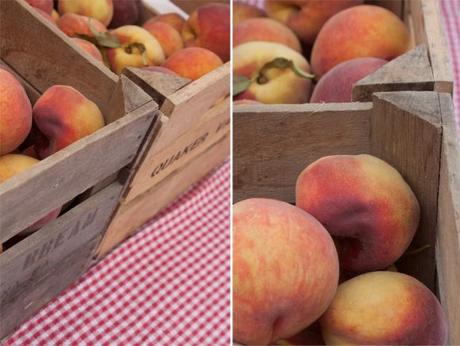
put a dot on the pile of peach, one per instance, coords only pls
(354, 217)
(168, 42)
(59, 117)
(344, 41)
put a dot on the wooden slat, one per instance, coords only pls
(273, 144)
(190, 5)
(71, 171)
(395, 6)
(46, 56)
(132, 215)
(409, 72)
(163, 6)
(159, 164)
(31, 92)
(448, 230)
(406, 133)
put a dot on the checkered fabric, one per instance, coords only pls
(167, 285)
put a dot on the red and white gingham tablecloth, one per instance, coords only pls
(170, 283)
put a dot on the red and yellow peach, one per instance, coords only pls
(168, 37)
(102, 10)
(243, 11)
(74, 25)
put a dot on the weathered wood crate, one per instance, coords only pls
(413, 131)
(83, 176)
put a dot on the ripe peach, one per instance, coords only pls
(89, 48)
(55, 16)
(74, 25)
(173, 19)
(193, 63)
(243, 11)
(278, 85)
(131, 54)
(360, 31)
(46, 16)
(102, 10)
(63, 115)
(365, 204)
(265, 29)
(125, 12)
(285, 270)
(170, 40)
(337, 84)
(209, 27)
(44, 5)
(306, 17)
(16, 113)
(384, 308)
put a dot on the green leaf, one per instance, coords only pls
(281, 63)
(240, 84)
(103, 39)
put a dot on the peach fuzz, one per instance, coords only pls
(16, 113)
(168, 37)
(44, 5)
(102, 10)
(384, 308)
(285, 270)
(243, 11)
(63, 115)
(13, 164)
(89, 48)
(134, 56)
(365, 204)
(306, 17)
(74, 24)
(265, 29)
(282, 86)
(360, 31)
(193, 63)
(209, 27)
(173, 19)
(337, 84)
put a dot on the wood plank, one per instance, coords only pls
(32, 93)
(437, 46)
(190, 5)
(406, 133)
(448, 230)
(163, 6)
(71, 171)
(395, 6)
(409, 72)
(46, 56)
(273, 144)
(158, 165)
(132, 215)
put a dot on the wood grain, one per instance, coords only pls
(71, 171)
(274, 143)
(410, 71)
(132, 215)
(406, 133)
(448, 229)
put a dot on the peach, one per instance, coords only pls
(193, 63)
(265, 29)
(139, 49)
(125, 12)
(173, 19)
(209, 27)
(55, 16)
(306, 17)
(360, 31)
(44, 5)
(13, 164)
(337, 84)
(365, 204)
(16, 113)
(46, 16)
(170, 40)
(243, 11)
(74, 25)
(63, 115)
(384, 308)
(102, 10)
(245, 102)
(285, 270)
(89, 48)
(276, 85)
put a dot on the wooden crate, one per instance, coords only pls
(35, 269)
(413, 131)
(192, 140)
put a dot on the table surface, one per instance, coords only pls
(170, 283)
